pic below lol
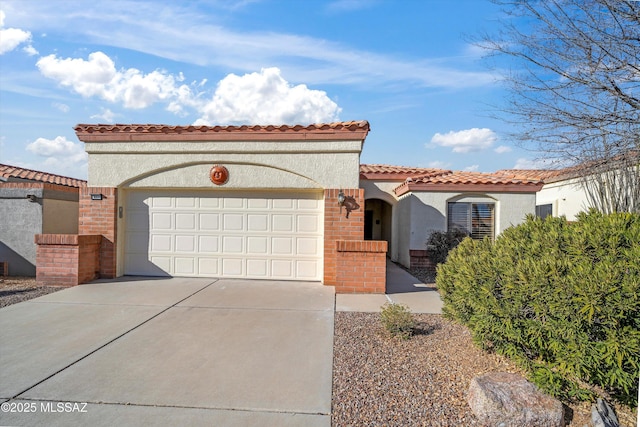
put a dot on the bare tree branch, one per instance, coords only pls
(575, 88)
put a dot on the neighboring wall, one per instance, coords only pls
(54, 211)
(21, 221)
(60, 212)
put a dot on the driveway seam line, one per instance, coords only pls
(210, 408)
(109, 342)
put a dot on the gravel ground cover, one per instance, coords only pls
(17, 289)
(379, 380)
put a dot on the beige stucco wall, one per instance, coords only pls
(304, 164)
(418, 214)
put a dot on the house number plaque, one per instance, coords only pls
(219, 174)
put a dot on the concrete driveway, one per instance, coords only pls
(172, 351)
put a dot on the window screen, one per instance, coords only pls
(543, 211)
(477, 219)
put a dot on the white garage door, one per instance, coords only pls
(244, 235)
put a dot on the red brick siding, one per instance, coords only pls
(420, 259)
(101, 217)
(338, 227)
(361, 266)
(66, 259)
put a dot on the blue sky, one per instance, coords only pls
(405, 66)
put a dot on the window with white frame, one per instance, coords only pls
(477, 219)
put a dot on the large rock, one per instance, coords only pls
(603, 415)
(507, 400)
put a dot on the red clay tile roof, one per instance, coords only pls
(15, 173)
(539, 174)
(446, 180)
(396, 173)
(353, 130)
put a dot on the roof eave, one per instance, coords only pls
(469, 187)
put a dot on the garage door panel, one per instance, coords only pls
(233, 222)
(185, 221)
(208, 266)
(185, 202)
(257, 222)
(282, 245)
(232, 267)
(307, 270)
(161, 243)
(307, 223)
(224, 235)
(257, 245)
(161, 221)
(232, 244)
(185, 244)
(283, 204)
(209, 203)
(161, 202)
(307, 246)
(282, 269)
(184, 266)
(283, 223)
(308, 204)
(208, 244)
(162, 262)
(259, 204)
(233, 203)
(257, 268)
(209, 221)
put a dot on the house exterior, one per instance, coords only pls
(403, 206)
(265, 202)
(33, 202)
(566, 191)
(252, 202)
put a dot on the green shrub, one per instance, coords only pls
(440, 243)
(561, 299)
(397, 320)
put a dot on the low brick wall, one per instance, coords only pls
(67, 259)
(361, 266)
(420, 259)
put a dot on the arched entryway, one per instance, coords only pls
(377, 221)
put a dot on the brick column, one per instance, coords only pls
(338, 227)
(362, 266)
(66, 259)
(101, 217)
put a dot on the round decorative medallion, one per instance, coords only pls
(219, 174)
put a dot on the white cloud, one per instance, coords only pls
(107, 115)
(437, 164)
(98, 77)
(165, 29)
(62, 107)
(11, 38)
(503, 149)
(472, 168)
(61, 156)
(267, 98)
(466, 141)
(30, 50)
